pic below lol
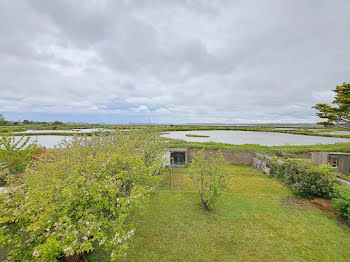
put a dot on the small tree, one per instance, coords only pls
(208, 174)
(338, 115)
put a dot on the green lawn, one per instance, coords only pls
(255, 220)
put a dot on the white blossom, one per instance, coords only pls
(66, 250)
(36, 253)
(103, 240)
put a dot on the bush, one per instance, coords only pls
(305, 179)
(341, 200)
(77, 197)
(277, 169)
(208, 175)
(4, 172)
(17, 153)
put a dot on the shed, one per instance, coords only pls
(340, 161)
(177, 156)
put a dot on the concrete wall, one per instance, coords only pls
(230, 156)
(261, 162)
(343, 163)
(320, 158)
(258, 161)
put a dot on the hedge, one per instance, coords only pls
(305, 179)
(341, 200)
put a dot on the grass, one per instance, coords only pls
(344, 177)
(191, 135)
(299, 130)
(252, 221)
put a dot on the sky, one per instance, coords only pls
(171, 61)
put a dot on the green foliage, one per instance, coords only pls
(257, 219)
(338, 115)
(4, 172)
(305, 179)
(277, 169)
(192, 135)
(341, 200)
(2, 119)
(77, 197)
(208, 174)
(18, 153)
(344, 177)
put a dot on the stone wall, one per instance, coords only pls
(261, 162)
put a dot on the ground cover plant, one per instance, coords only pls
(256, 219)
(77, 198)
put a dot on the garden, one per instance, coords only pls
(108, 197)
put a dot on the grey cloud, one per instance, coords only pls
(202, 60)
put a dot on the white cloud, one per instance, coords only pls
(142, 108)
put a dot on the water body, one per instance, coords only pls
(48, 141)
(250, 137)
(221, 136)
(284, 128)
(78, 131)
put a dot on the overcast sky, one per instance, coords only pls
(178, 61)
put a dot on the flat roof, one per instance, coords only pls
(339, 153)
(176, 149)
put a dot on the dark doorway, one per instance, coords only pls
(178, 158)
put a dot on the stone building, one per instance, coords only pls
(339, 161)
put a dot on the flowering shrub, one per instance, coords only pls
(341, 200)
(306, 179)
(78, 197)
(208, 174)
(17, 153)
(4, 172)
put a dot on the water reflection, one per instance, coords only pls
(250, 137)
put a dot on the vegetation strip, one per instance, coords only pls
(192, 135)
